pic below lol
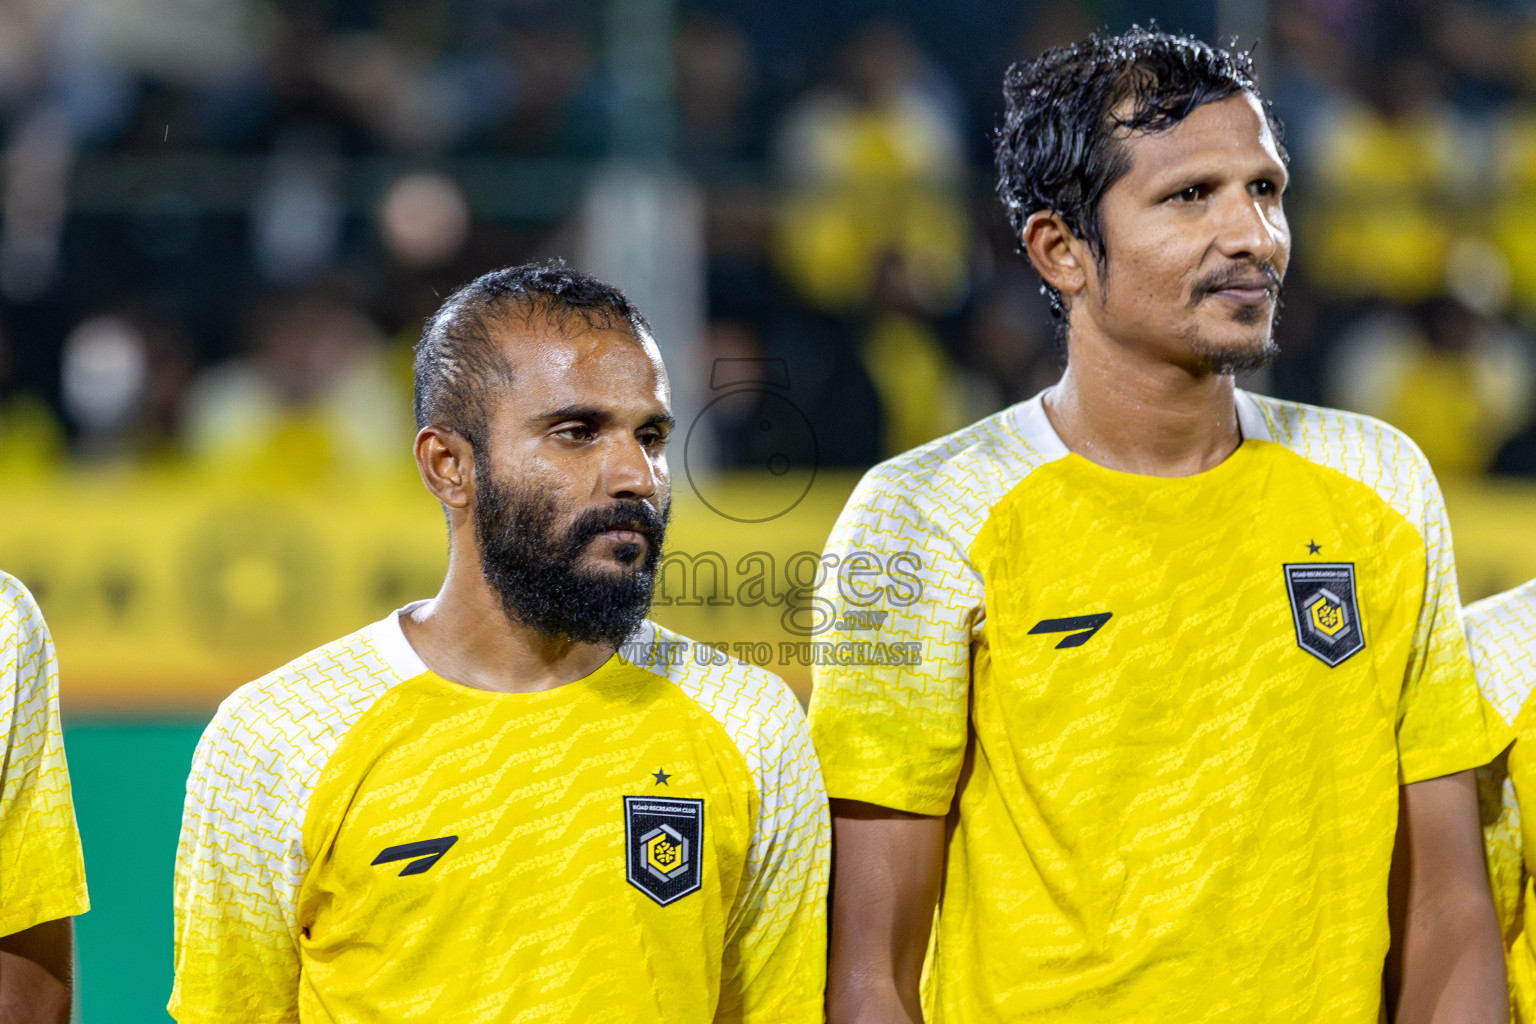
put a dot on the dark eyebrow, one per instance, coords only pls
(661, 419)
(588, 413)
(600, 417)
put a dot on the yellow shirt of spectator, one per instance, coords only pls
(42, 873)
(1502, 631)
(1168, 717)
(366, 841)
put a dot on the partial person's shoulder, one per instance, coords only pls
(1363, 448)
(1516, 608)
(1502, 633)
(953, 481)
(28, 671)
(755, 707)
(21, 620)
(303, 708)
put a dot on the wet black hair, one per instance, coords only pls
(1067, 111)
(458, 359)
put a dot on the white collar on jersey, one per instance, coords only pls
(1250, 418)
(389, 640)
(1030, 420)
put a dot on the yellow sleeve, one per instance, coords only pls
(238, 869)
(1443, 724)
(899, 604)
(42, 873)
(1500, 814)
(775, 962)
(1501, 632)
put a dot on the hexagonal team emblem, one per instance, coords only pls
(662, 838)
(1325, 611)
(666, 851)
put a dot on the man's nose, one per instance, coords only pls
(1246, 230)
(629, 471)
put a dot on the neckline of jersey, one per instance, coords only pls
(390, 641)
(554, 695)
(1032, 422)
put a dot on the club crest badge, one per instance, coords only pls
(663, 840)
(1325, 610)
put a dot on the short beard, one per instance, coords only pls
(1228, 361)
(533, 566)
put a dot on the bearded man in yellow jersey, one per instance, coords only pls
(42, 873)
(1502, 632)
(518, 801)
(1185, 660)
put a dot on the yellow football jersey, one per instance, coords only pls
(1502, 631)
(366, 841)
(42, 874)
(1168, 717)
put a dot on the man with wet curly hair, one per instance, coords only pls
(1192, 729)
(1059, 147)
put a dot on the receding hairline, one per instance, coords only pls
(533, 309)
(469, 346)
(529, 328)
(529, 332)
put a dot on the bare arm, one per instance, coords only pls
(886, 867)
(1446, 965)
(37, 973)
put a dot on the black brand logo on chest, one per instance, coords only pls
(663, 843)
(422, 855)
(1081, 628)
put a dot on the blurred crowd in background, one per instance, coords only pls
(222, 222)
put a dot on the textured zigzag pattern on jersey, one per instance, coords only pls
(762, 717)
(1503, 846)
(259, 760)
(1364, 449)
(936, 498)
(29, 669)
(1502, 631)
(947, 489)
(1385, 460)
(37, 816)
(253, 773)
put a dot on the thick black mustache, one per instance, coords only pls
(1237, 273)
(621, 515)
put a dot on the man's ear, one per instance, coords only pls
(446, 460)
(1060, 257)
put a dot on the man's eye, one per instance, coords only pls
(1193, 194)
(578, 433)
(1266, 188)
(653, 440)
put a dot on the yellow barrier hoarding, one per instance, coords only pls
(1494, 526)
(167, 591)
